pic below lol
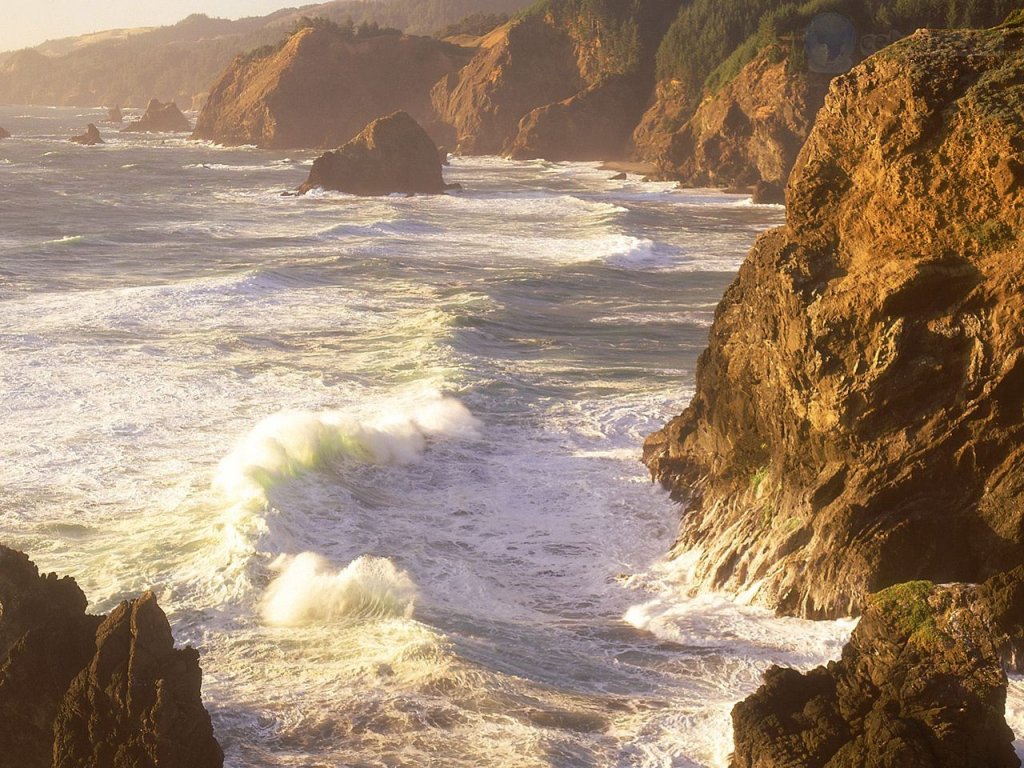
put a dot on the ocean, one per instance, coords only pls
(379, 458)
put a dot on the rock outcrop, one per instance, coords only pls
(114, 115)
(521, 66)
(80, 690)
(324, 85)
(859, 414)
(159, 117)
(921, 684)
(592, 125)
(392, 154)
(750, 131)
(90, 138)
(4, 134)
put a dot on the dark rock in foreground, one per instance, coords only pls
(392, 154)
(920, 685)
(159, 118)
(90, 138)
(80, 690)
(859, 414)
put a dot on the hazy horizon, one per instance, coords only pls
(26, 26)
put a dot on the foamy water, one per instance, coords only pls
(378, 457)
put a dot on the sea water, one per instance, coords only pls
(379, 458)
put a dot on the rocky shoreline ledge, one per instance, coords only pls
(84, 690)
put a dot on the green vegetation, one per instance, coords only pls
(474, 25)
(346, 30)
(711, 40)
(906, 607)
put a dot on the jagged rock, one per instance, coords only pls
(90, 138)
(524, 64)
(392, 154)
(750, 131)
(83, 691)
(859, 414)
(323, 86)
(595, 124)
(4, 134)
(114, 115)
(921, 684)
(619, 177)
(159, 118)
(138, 701)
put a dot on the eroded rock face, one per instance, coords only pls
(159, 118)
(859, 414)
(392, 154)
(91, 137)
(750, 131)
(921, 684)
(525, 64)
(592, 125)
(80, 690)
(323, 87)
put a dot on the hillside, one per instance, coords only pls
(182, 61)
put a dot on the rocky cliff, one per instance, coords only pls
(81, 690)
(859, 414)
(324, 85)
(921, 684)
(750, 131)
(567, 81)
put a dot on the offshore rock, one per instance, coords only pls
(859, 414)
(159, 118)
(4, 134)
(921, 684)
(323, 86)
(81, 690)
(392, 154)
(91, 137)
(114, 115)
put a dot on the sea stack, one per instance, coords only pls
(392, 154)
(159, 118)
(90, 138)
(114, 115)
(920, 685)
(78, 690)
(858, 419)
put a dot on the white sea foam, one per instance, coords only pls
(306, 589)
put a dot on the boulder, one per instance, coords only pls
(114, 115)
(82, 690)
(921, 684)
(159, 118)
(858, 419)
(4, 134)
(392, 154)
(621, 176)
(90, 138)
(324, 85)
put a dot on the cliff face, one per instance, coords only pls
(80, 690)
(859, 412)
(322, 87)
(920, 685)
(521, 66)
(750, 131)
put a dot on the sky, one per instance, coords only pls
(27, 23)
